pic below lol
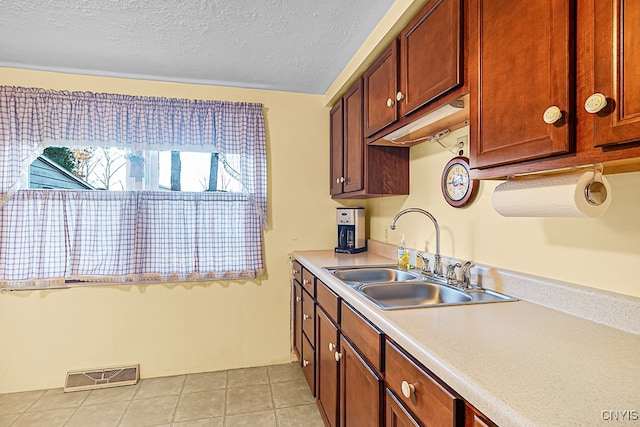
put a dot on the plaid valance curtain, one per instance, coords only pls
(49, 237)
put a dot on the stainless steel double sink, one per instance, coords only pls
(392, 289)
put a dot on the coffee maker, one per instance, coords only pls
(350, 230)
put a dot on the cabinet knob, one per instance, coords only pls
(294, 271)
(342, 179)
(306, 317)
(298, 299)
(337, 356)
(552, 115)
(399, 96)
(595, 103)
(390, 102)
(305, 363)
(332, 346)
(337, 180)
(305, 282)
(407, 389)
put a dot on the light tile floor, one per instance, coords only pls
(270, 396)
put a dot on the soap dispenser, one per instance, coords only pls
(403, 255)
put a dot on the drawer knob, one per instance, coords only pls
(408, 389)
(295, 271)
(298, 299)
(306, 316)
(305, 363)
(337, 356)
(595, 103)
(390, 102)
(399, 96)
(552, 115)
(332, 346)
(305, 282)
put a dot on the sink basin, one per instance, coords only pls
(391, 288)
(413, 294)
(374, 275)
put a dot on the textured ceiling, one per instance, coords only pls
(288, 45)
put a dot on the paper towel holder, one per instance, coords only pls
(595, 191)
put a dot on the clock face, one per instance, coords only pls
(457, 182)
(458, 188)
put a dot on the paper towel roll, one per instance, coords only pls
(549, 196)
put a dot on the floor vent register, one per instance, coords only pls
(102, 378)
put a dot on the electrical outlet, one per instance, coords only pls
(463, 145)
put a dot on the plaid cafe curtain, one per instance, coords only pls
(49, 238)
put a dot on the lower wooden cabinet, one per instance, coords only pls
(396, 414)
(327, 368)
(349, 363)
(360, 390)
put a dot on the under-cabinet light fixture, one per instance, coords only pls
(426, 120)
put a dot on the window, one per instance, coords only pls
(119, 169)
(121, 217)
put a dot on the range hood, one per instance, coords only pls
(450, 117)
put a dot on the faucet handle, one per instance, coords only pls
(425, 263)
(452, 278)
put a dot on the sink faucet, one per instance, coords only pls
(437, 265)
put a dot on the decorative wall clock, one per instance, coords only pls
(458, 188)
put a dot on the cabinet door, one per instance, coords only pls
(336, 148)
(430, 55)
(360, 390)
(380, 88)
(327, 368)
(297, 317)
(397, 415)
(353, 168)
(616, 70)
(523, 63)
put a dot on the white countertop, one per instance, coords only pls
(520, 363)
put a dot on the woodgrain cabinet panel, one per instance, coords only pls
(431, 403)
(380, 88)
(396, 414)
(297, 317)
(336, 124)
(431, 54)
(360, 390)
(309, 364)
(327, 368)
(616, 71)
(523, 64)
(328, 301)
(367, 338)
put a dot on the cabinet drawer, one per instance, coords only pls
(308, 317)
(430, 403)
(296, 270)
(363, 335)
(309, 282)
(309, 364)
(329, 301)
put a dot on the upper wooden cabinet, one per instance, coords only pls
(358, 170)
(615, 71)
(537, 68)
(380, 89)
(524, 67)
(423, 64)
(431, 52)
